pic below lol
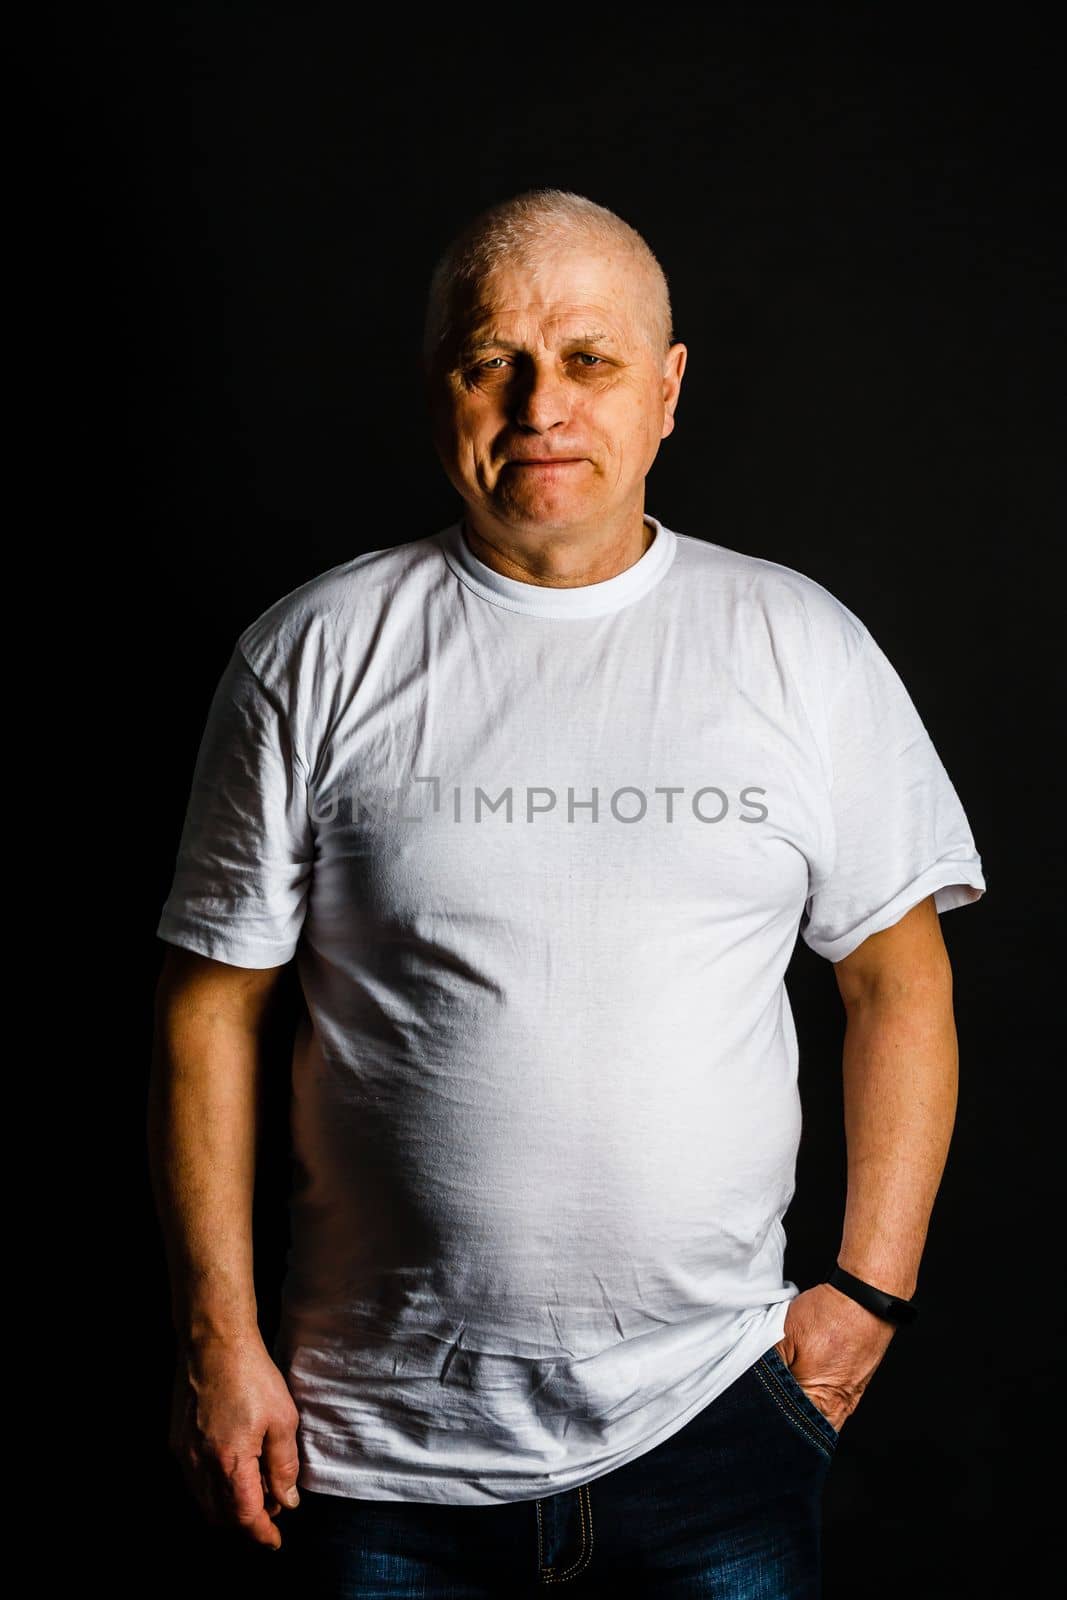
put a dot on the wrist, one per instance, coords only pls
(892, 1277)
(201, 1329)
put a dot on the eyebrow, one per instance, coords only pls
(470, 347)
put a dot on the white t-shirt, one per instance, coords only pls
(542, 856)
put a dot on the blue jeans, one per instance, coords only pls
(730, 1506)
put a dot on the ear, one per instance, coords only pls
(673, 368)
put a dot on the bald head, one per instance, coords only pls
(530, 230)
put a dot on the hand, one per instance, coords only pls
(233, 1429)
(833, 1347)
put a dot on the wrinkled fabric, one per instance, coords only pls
(542, 856)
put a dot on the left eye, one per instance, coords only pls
(584, 355)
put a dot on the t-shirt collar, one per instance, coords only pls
(540, 600)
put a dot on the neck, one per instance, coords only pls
(554, 560)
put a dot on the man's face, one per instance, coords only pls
(549, 403)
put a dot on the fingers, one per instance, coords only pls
(247, 1502)
(280, 1463)
(270, 1500)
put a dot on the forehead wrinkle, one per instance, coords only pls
(489, 340)
(591, 326)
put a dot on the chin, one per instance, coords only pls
(547, 516)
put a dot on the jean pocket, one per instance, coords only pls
(792, 1399)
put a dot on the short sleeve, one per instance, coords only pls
(244, 862)
(898, 827)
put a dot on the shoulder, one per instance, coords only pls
(789, 605)
(326, 616)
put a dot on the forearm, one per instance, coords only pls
(202, 1113)
(900, 1091)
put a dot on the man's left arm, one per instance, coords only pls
(900, 1069)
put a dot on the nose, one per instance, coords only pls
(538, 399)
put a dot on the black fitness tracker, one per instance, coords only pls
(889, 1307)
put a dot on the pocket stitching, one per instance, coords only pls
(774, 1361)
(788, 1405)
(585, 1555)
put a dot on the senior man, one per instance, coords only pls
(539, 804)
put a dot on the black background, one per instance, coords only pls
(860, 215)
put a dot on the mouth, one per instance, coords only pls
(548, 463)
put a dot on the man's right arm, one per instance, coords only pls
(233, 1420)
